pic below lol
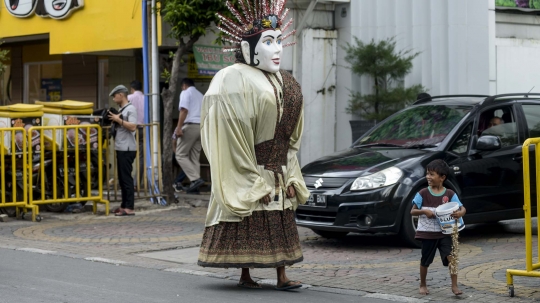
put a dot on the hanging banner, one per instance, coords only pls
(211, 59)
(530, 4)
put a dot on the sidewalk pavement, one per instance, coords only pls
(167, 238)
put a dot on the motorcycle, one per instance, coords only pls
(72, 181)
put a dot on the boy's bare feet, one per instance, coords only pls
(424, 290)
(456, 291)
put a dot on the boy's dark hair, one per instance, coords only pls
(188, 82)
(439, 166)
(136, 85)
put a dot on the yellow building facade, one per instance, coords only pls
(73, 49)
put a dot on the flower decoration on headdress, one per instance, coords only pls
(255, 17)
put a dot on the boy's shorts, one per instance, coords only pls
(429, 248)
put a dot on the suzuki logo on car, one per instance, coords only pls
(319, 183)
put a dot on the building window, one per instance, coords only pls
(42, 81)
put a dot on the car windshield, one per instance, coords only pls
(415, 127)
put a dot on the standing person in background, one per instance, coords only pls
(177, 184)
(125, 146)
(188, 132)
(137, 99)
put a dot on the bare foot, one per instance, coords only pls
(456, 291)
(424, 290)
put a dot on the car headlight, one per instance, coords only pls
(382, 178)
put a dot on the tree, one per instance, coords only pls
(381, 62)
(189, 20)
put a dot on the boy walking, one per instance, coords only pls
(429, 231)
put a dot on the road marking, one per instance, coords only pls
(37, 250)
(395, 298)
(103, 260)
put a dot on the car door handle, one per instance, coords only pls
(518, 158)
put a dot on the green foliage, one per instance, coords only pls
(190, 18)
(3, 57)
(506, 3)
(387, 67)
(378, 107)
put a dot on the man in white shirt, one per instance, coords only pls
(188, 132)
(137, 99)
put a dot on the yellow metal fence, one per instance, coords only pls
(530, 267)
(70, 164)
(59, 175)
(14, 171)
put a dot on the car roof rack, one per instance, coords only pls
(428, 99)
(495, 97)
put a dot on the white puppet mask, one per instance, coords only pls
(267, 52)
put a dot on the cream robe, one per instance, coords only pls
(239, 111)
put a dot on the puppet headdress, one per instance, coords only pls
(255, 17)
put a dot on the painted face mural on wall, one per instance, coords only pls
(20, 8)
(57, 9)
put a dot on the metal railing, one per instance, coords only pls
(149, 179)
(68, 160)
(530, 266)
(14, 171)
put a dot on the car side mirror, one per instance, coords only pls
(488, 143)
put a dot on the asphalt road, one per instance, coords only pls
(34, 277)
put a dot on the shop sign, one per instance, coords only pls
(211, 59)
(57, 9)
(52, 89)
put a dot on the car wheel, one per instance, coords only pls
(330, 234)
(408, 228)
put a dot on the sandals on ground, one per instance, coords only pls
(289, 285)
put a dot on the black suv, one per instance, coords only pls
(369, 187)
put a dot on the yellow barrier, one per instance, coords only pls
(79, 141)
(530, 267)
(152, 184)
(14, 190)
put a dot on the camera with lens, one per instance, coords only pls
(106, 121)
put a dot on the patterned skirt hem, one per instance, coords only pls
(251, 265)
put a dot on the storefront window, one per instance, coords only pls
(43, 81)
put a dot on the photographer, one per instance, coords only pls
(123, 130)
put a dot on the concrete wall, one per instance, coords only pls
(344, 81)
(318, 79)
(452, 37)
(516, 47)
